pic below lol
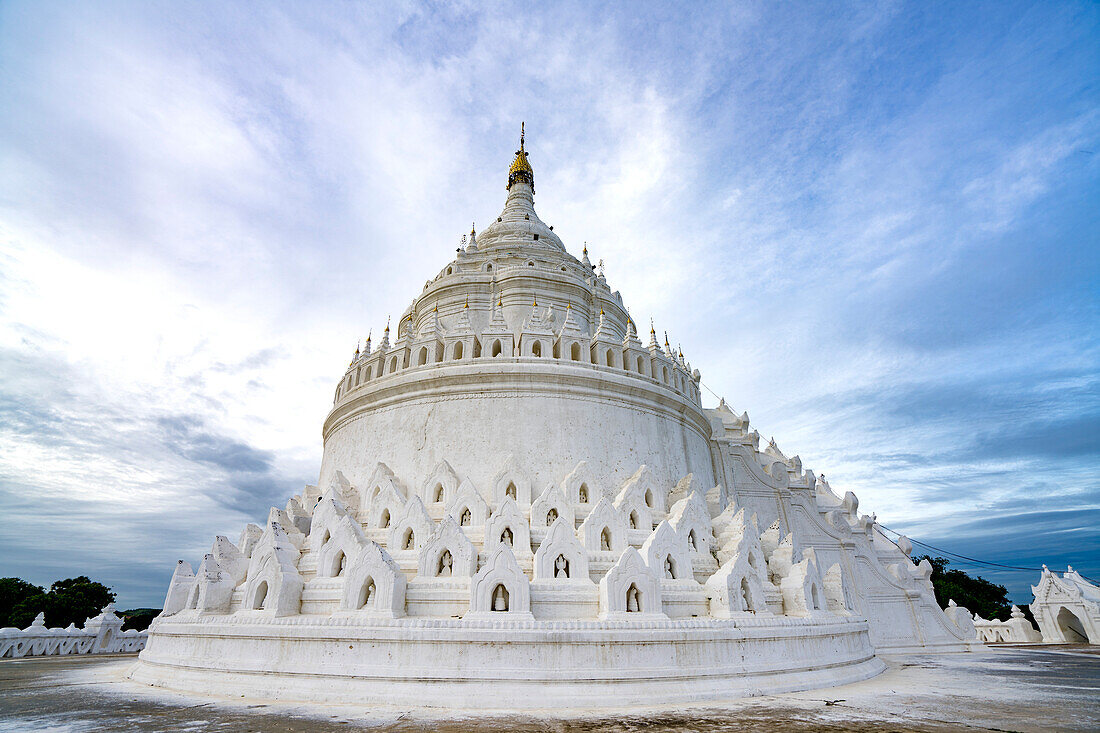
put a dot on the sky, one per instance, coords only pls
(874, 226)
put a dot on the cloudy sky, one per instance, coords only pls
(876, 227)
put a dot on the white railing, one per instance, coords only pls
(101, 634)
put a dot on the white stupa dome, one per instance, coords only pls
(522, 505)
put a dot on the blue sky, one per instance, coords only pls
(873, 226)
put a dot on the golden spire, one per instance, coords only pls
(467, 303)
(471, 229)
(500, 300)
(521, 167)
(535, 301)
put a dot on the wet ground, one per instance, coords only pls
(1006, 688)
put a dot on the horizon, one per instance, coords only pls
(869, 228)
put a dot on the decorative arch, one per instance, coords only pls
(734, 590)
(604, 529)
(441, 485)
(468, 507)
(630, 576)
(691, 518)
(803, 588)
(273, 573)
(580, 476)
(666, 554)
(212, 588)
(415, 523)
(343, 547)
(508, 518)
(561, 544)
(512, 481)
(447, 538)
(374, 584)
(551, 500)
(500, 589)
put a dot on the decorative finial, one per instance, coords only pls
(521, 168)
(467, 303)
(667, 347)
(369, 335)
(535, 301)
(500, 300)
(387, 324)
(586, 248)
(652, 331)
(471, 228)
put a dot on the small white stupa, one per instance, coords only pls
(522, 505)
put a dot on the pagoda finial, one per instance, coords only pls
(472, 229)
(521, 171)
(467, 303)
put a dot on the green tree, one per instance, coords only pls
(138, 618)
(74, 600)
(13, 591)
(978, 595)
(69, 601)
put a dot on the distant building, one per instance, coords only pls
(1067, 608)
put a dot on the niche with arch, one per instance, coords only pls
(374, 584)
(629, 590)
(447, 553)
(500, 589)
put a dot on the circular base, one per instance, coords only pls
(448, 663)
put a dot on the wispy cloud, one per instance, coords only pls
(872, 227)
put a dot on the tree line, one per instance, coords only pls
(69, 601)
(976, 594)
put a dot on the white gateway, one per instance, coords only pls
(521, 505)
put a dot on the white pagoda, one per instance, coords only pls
(522, 505)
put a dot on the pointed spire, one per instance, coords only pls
(472, 246)
(584, 260)
(631, 338)
(521, 171)
(652, 337)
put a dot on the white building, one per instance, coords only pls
(521, 504)
(1067, 608)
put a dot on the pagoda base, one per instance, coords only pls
(521, 665)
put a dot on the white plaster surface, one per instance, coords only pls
(700, 565)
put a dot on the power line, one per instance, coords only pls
(971, 559)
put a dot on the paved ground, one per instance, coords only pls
(1008, 688)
